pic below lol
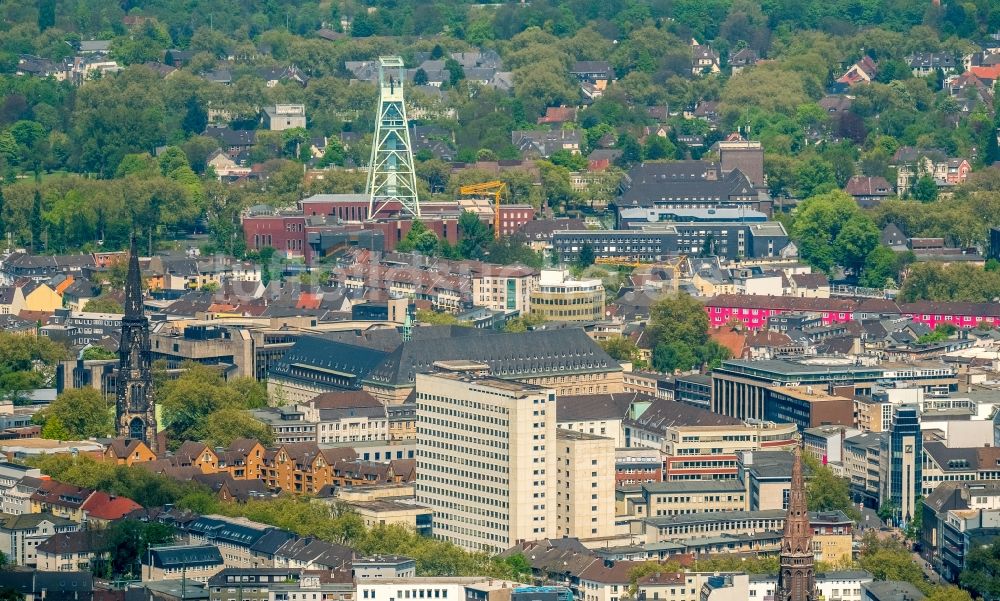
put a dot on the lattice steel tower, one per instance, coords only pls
(391, 178)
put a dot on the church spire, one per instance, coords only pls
(135, 407)
(133, 286)
(797, 576)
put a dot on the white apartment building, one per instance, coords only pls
(585, 479)
(486, 456)
(504, 288)
(439, 588)
(15, 498)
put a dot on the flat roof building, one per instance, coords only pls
(486, 459)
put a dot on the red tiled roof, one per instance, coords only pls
(103, 506)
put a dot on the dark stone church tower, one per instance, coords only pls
(797, 575)
(135, 409)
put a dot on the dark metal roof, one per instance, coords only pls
(186, 556)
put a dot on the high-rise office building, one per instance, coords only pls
(486, 458)
(900, 471)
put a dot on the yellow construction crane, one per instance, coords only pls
(674, 264)
(497, 190)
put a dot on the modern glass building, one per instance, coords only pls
(901, 451)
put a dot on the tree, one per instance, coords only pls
(98, 353)
(815, 176)
(129, 541)
(54, 429)
(678, 330)
(889, 559)
(620, 348)
(104, 304)
(831, 230)
(981, 575)
(658, 148)
(362, 26)
(26, 363)
(438, 318)
(80, 413)
(420, 77)
(419, 239)
(524, 322)
(586, 257)
(574, 161)
(195, 117)
(826, 491)
(925, 189)
(882, 268)
(190, 400)
(474, 236)
(36, 222)
(631, 150)
(46, 14)
(224, 426)
(948, 593)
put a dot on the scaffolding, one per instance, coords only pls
(392, 181)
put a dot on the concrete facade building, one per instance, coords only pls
(285, 116)
(504, 288)
(585, 481)
(486, 453)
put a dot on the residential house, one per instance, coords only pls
(243, 459)
(557, 115)
(297, 468)
(868, 191)
(42, 268)
(11, 300)
(124, 451)
(197, 562)
(533, 143)
(606, 581)
(244, 543)
(228, 489)
(348, 416)
(197, 455)
(233, 141)
(600, 414)
(274, 75)
(913, 163)
(78, 293)
(926, 63)
(226, 167)
(20, 535)
(61, 500)
(102, 508)
(15, 494)
(70, 551)
(704, 60)
(742, 58)
(860, 72)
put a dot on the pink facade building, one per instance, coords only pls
(753, 311)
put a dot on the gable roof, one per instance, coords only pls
(81, 541)
(103, 506)
(611, 405)
(663, 414)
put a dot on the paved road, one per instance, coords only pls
(928, 570)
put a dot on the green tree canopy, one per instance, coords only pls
(80, 413)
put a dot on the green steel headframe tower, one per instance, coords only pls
(391, 178)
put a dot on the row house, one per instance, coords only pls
(243, 543)
(754, 311)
